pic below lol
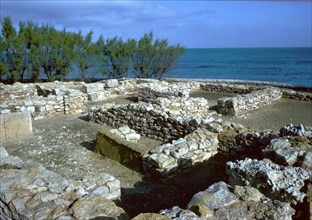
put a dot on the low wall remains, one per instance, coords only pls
(165, 122)
(148, 92)
(240, 104)
(30, 191)
(292, 94)
(172, 158)
(227, 88)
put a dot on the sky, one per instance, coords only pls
(192, 24)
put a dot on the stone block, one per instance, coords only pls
(127, 153)
(92, 87)
(214, 197)
(111, 83)
(15, 125)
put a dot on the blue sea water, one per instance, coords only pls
(278, 65)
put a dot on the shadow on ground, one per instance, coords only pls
(152, 195)
(89, 145)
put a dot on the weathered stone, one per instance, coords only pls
(3, 153)
(15, 125)
(214, 197)
(183, 153)
(29, 191)
(235, 106)
(11, 162)
(307, 163)
(93, 87)
(248, 194)
(150, 216)
(96, 207)
(111, 83)
(278, 181)
(281, 150)
(296, 130)
(119, 149)
(176, 213)
(256, 210)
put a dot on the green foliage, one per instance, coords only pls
(7, 48)
(86, 53)
(116, 57)
(57, 52)
(154, 59)
(36, 50)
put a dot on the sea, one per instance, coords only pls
(277, 65)
(291, 66)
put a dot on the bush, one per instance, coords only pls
(154, 59)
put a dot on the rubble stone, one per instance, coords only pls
(271, 179)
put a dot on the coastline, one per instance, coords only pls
(246, 82)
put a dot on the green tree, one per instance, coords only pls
(152, 59)
(33, 36)
(48, 38)
(3, 63)
(86, 53)
(7, 48)
(22, 50)
(116, 57)
(64, 54)
(57, 52)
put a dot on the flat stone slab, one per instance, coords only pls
(117, 148)
(15, 125)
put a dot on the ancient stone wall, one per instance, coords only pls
(153, 121)
(227, 88)
(243, 103)
(292, 94)
(148, 92)
(17, 91)
(172, 158)
(43, 100)
(30, 191)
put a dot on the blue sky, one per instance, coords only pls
(193, 24)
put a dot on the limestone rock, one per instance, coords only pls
(111, 83)
(296, 130)
(274, 210)
(269, 209)
(95, 207)
(277, 181)
(92, 87)
(15, 125)
(30, 191)
(280, 150)
(214, 197)
(11, 162)
(176, 213)
(248, 194)
(3, 153)
(150, 216)
(307, 163)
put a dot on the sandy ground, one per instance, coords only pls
(64, 145)
(274, 116)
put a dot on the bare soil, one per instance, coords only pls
(64, 145)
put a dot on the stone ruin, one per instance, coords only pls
(262, 188)
(30, 191)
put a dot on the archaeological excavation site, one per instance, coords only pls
(155, 149)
